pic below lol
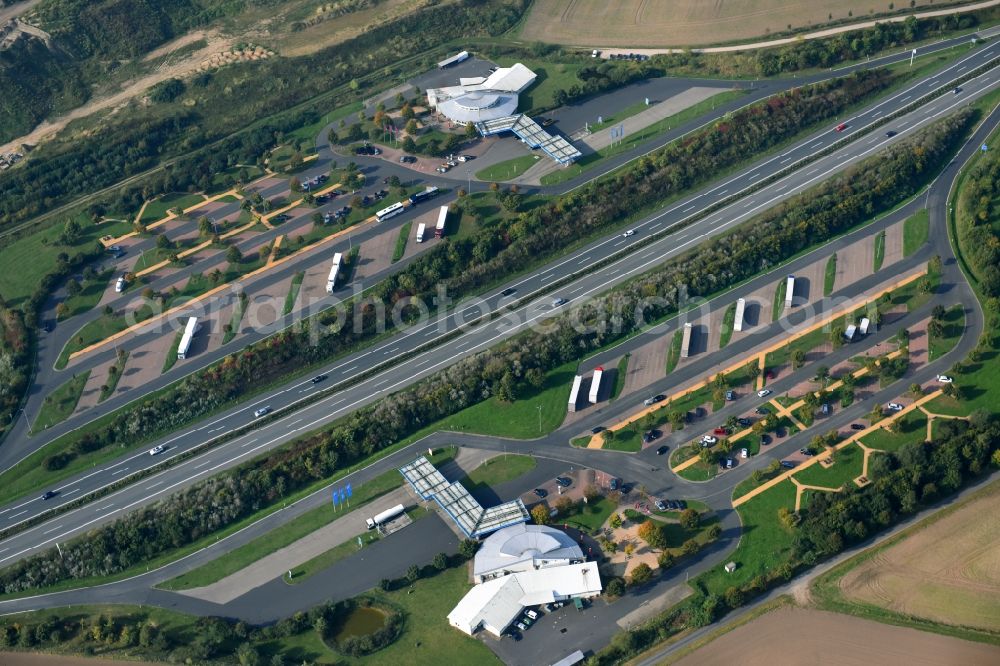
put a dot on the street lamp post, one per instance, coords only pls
(539, 417)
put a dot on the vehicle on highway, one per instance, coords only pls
(763, 393)
(318, 378)
(261, 412)
(508, 291)
(894, 407)
(48, 494)
(630, 232)
(744, 453)
(957, 90)
(159, 448)
(841, 127)
(944, 379)
(564, 481)
(663, 449)
(857, 426)
(890, 134)
(558, 301)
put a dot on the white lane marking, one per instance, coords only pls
(809, 173)
(877, 113)
(961, 68)
(691, 207)
(546, 278)
(905, 98)
(19, 514)
(202, 464)
(104, 508)
(573, 291)
(904, 123)
(392, 351)
(248, 443)
(158, 483)
(818, 143)
(656, 226)
(351, 369)
(724, 191)
(123, 469)
(786, 160)
(294, 422)
(53, 529)
(70, 492)
(422, 362)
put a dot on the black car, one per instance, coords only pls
(761, 410)
(890, 133)
(508, 291)
(700, 412)
(765, 440)
(597, 429)
(318, 378)
(681, 504)
(663, 449)
(787, 463)
(541, 493)
(48, 327)
(48, 494)
(515, 634)
(564, 481)
(857, 426)
(745, 422)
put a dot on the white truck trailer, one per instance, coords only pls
(331, 281)
(741, 304)
(442, 219)
(189, 330)
(686, 340)
(385, 516)
(595, 385)
(863, 326)
(789, 291)
(574, 394)
(421, 230)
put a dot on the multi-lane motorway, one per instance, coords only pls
(479, 337)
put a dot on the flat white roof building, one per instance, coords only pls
(495, 604)
(524, 548)
(478, 99)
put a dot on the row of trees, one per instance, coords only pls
(977, 211)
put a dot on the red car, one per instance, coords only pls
(841, 127)
(720, 431)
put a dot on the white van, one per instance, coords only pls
(120, 285)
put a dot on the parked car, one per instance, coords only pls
(613, 485)
(653, 400)
(727, 463)
(765, 440)
(261, 412)
(597, 429)
(894, 407)
(159, 448)
(700, 412)
(787, 463)
(721, 432)
(660, 506)
(769, 374)
(663, 449)
(564, 481)
(744, 453)
(944, 379)
(651, 435)
(730, 395)
(857, 426)
(521, 626)
(708, 440)
(541, 493)
(513, 633)
(744, 421)
(761, 410)
(806, 452)
(763, 393)
(825, 409)
(532, 614)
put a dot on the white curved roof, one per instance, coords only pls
(477, 107)
(528, 545)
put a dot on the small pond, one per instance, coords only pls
(361, 622)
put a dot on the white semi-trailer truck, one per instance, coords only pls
(385, 516)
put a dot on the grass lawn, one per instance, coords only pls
(806, 343)
(59, 404)
(171, 358)
(521, 419)
(748, 484)
(847, 466)
(498, 470)
(599, 157)
(238, 312)
(953, 324)
(778, 305)
(699, 472)
(293, 293)
(157, 208)
(26, 260)
(290, 532)
(879, 251)
(913, 428)
(764, 544)
(114, 376)
(550, 77)
(915, 231)
(620, 373)
(507, 169)
(830, 276)
(627, 440)
(89, 296)
(590, 517)
(674, 352)
(404, 235)
(728, 319)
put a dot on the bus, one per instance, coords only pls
(392, 211)
(331, 281)
(417, 197)
(741, 304)
(189, 330)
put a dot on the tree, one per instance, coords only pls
(467, 548)
(615, 521)
(916, 391)
(734, 597)
(629, 549)
(295, 185)
(690, 547)
(540, 514)
(233, 255)
(652, 533)
(409, 145)
(163, 242)
(62, 310)
(787, 517)
(73, 287)
(615, 587)
(665, 560)
(591, 493)
(798, 359)
(385, 584)
(407, 112)
(608, 436)
(413, 573)
(822, 374)
(564, 504)
(440, 562)
(689, 519)
(641, 574)
(470, 131)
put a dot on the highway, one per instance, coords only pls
(18, 444)
(339, 403)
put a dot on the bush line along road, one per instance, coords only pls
(259, 440)
(351, 367)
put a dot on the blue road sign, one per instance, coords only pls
(983, 148)
(348, 490)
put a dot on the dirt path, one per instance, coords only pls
(15, 10)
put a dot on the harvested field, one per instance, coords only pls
(799, 636)
(948, 572)
(679, 22)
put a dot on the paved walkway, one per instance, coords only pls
(349, 526)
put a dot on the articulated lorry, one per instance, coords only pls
(385, 516)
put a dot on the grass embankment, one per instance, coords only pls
(171, 358)
(404, 236)
(238, 311)
(952, 327)
(846, 467)
(500, 469)
(60, 403)
(912, 429)
(620, 373)
(778, 305)
(830, 275)
(114, 375)
(508, 169)
(879, 256)
(293, 293)
(589, 517)
(291, 531)
(916, 229)
(157, 208)
(674, 351)
(89, 296)
(728, 319)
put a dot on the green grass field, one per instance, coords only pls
(674, 352)
(620, 373)
(764, 544)
(550, 77)
(728, 319)
(879, 251)
(913, 428)
(293, 293)
(830, 274)
(778, 305)
(60, 403)
(157, 209)
(627, 440)
(508, 169)
(89, 296)
(699, 472)
(953, 324)
(915, 231)
(404, 236)
(113, 377)
(499, 470)
(590, 517)
(847, 466)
